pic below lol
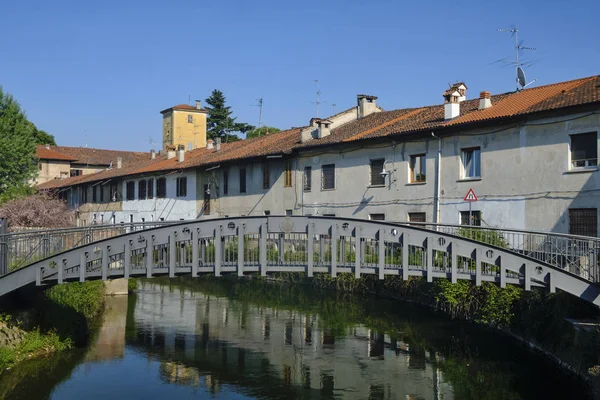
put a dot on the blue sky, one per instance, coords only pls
(100, 72)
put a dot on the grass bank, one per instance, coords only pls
(59, 319)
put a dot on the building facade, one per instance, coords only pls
(530, 156)
(184, 125)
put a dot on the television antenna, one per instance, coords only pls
(260, 106)
(317, 98)
(519, 64)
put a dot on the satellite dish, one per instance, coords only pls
(521, 77)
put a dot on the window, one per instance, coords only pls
(242, 180)
(584, 150)
(206, 204)
(328, 176)
(190, 146)
(161, 188)
(583, 221)
(417, 168)
(266, 176)
(130, 190)
(225, 181)
(307, 178)
(287, 181)
(289, 212)
(181, 190)
(377, 217)
(84, 194)
(190, 119)
(267, 212)
(142, 188)
(150, 189)
(94, 194)
(471, 163)
(329, 215)
(76, 172)
(101, 190)
(376, 168)
(475, 218)
(40, 166)
(417, 217)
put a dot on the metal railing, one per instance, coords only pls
(577, 254)
(18, 249)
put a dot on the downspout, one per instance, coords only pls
(437, 182)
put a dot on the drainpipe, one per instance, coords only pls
(437, 183)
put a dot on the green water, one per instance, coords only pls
(229, 339)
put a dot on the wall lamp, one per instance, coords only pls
(385, 173)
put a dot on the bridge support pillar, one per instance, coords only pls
(105, 263)
(127, 259)
(310, 250)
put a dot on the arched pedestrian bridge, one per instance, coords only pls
(302, 244)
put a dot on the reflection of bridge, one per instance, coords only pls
(323, 245)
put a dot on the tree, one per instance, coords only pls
(40, 210)
(262, 131)
(18, 163)
(42, 137)
(219, 123)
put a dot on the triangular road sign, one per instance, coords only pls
(470, 196)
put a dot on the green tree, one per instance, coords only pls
(219, 123)
(18, 162)
(262, 131)
(42, 137)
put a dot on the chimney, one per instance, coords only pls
(170, 153)
(119, 162)
(485, 100)
(218, 144)
(198, 105)
(451, 103)
(152, 154)
(366, 105)
(180, 155)
(324, 128)
(47, 147)
(209, 144)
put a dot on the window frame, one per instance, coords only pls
(242, 181)
(130, 191)
(422, 158)
(476, 215)
(190, 119)
(161, 188)
(380, 180)
(589, 163)
(419, 213)
(287, 174)
(225, 181)
(150, 189)
(463, 169)
(142, 194)
(266, 175)
(181, 186)
(583, 230)
(328, 167)
(377, 217)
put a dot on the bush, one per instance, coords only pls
(86, 298)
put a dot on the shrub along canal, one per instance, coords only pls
(239, 339)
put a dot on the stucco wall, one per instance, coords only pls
(52, 169)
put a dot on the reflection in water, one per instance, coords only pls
(192, 340)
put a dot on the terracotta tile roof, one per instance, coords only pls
(184, 107)
(580, 92)
(91, 156)
(47, 154)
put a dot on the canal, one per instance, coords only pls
(230, 339)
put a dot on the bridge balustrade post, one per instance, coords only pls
(218, 250)
(262, 251)
(60, 266)
(502, 274)
(240, 260)
(357, 255)
(82, 266)
(381, 258)
(454, 262)
(478, 264)
(405, 259)
(281, 248)
(172, 254)
(334, 237)
(429, 256)
(527, 273)
(195, 255)
(149, 255)
(3, 246)
(310, 250)
(127, 259)
(105, 263)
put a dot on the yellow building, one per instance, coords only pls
(184, 125)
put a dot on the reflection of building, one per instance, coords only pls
(177, 373)
(238, 341)
(110, 342)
